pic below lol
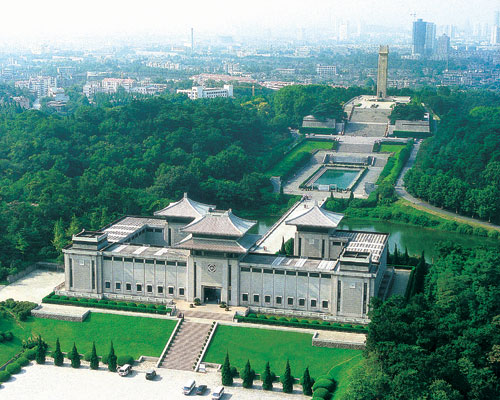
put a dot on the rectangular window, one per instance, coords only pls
(229, 295)
(181, 263)
(302, 273)
(267, 299)
(323, 248)
(314, 275)
(149, 288)
(149, 261)
(244, 297)
(107, 285)
(268, 271)
(279, 299)
(256, 298)
(70, 272)
(171, 263)
(128, 286)
(339, 294)
(245, 269)
(302, 302)
(118, 285)
(181, 291)
(139, 287)
(228, 275)
(326, 276)
(324, 304)
(314, 303)
(291, 273)
(279, 272)
(139, 261)
(107, 258)
(160, 289)
(300, 247)
(256, 270)
(93, 274)
(365, 294)
(289, 301)
(170, 290)
(118, 259)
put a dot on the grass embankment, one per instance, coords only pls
(391, 148)
(133, 336)
(298, 156)
(276, 346)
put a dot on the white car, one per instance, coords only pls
(124, 370)
(188, 387)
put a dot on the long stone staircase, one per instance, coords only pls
(187, 345)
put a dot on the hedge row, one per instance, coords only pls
(303, 323)
(107, 304)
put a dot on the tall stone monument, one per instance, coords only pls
(383, 56)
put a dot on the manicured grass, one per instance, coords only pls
(135, 336)
(391, 148)
(307, 146)
(276, 346)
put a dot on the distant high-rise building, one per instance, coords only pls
(443, 47)
(419, 34)
(496, 21)
(383, 56)
(495, 35)
(424, 37)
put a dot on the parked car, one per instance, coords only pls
(188, 387)
(200, 390)
(218, 393)
(124, 370)
(150, 374)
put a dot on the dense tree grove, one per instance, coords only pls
(409, 112)
(59, 174)
(441, 344)
(459, 168)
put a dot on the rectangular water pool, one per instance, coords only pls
(336, 178)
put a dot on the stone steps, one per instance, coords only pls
(187, 345)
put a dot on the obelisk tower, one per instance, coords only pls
(383, 56)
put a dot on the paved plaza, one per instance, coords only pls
(33, 287)
(47, 382)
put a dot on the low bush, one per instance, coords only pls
(55, 296)
(131, 304)
(151, 306)
(13, 368)
(125, 359)
(4, 376)
(325, 383)
(325, 323)
(23, 361)
(113, 303)
(315, 322)
(141, 305)
(272, 318)
(304, 321)
(30, 354)
(322, 393)
(103, 301)
(294, 320)
(263, 316)
(251, 315)
(283, 319)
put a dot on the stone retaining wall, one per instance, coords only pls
(60, 316)
(336, 344)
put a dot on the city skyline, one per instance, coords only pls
(55, 18)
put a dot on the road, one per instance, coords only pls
(401, 191)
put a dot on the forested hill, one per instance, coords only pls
(459, 168)
(100, 163)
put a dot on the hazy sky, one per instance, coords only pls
(70, 17)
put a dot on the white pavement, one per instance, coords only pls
(33, 287)
(47, 382)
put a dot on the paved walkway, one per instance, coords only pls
(33, 287)
(422, 205)
(61, 383)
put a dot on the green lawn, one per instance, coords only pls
(276, 346)
(134, 336)
(391, 148)
(307, 146)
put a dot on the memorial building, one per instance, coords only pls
(191, 250)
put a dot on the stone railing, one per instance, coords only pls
(205, 347)
(60, 316)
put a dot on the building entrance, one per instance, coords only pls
(211, 295)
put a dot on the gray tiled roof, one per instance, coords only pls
(185, 208)
(290, 263)
(220, 223)
(316, 217)
(365, 242)
(222, 245)
(128, 225)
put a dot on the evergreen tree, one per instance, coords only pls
(248, 376)
(307, 383)
(395, 257)
(59, 240)
(267, 378)
(287, 379)
(227, 377)
(75, 357)
(406, 257)
(112, 359)
(94, 360)
(419, 276)
(73, 228)
(283, 249)
(58, 355)
(41, 351)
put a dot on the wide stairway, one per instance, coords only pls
(186, 346)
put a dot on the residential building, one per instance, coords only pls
(200, 92)
(326, 71)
